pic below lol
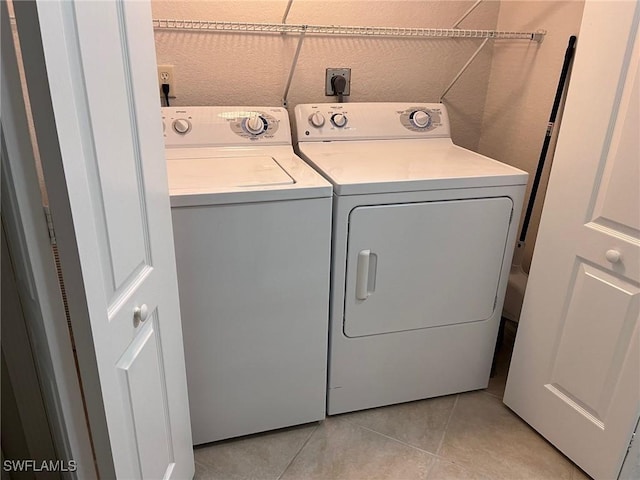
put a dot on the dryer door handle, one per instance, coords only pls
(365, 274)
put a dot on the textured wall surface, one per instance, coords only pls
(242, 69)
(522, 87)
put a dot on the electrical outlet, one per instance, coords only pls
(332, 72)
(165, 75)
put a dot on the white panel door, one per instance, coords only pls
(575, 370)
(409, 266)
(100, 62)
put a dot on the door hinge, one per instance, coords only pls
(49, 219)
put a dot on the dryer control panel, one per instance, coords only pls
(225, 126)
(368, 121)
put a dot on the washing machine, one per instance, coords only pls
(251, 225)
(423, 234)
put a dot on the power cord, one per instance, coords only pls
(165, 90)
(339, 84)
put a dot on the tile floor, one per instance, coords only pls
(466, 436)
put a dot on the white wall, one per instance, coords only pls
(236, 69)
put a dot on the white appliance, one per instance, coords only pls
(252, 225)
(423, 233)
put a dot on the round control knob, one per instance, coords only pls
(181, 125)
(254, 124)
(613, 256)
(339, 120)
(316, 119)
(421, 119)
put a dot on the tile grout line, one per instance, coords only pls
(444, 434)
(391, 438)
(446, 427)
(431, 467)
(299, 450)
(435, 456)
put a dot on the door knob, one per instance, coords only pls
(613, 256)
(140, 314)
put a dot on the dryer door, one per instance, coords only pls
(421, 265)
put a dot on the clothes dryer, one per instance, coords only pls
(423, 234)
(251, 224)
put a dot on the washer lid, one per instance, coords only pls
(200, 175)
(387, 166)
(214, 176)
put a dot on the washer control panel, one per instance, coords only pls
(213, 126)
(363, 121)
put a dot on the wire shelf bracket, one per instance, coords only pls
(292, 70)
(464, 67)
(286, 11)
(465, 14)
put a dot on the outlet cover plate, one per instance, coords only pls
(332, 72)
(166, 75)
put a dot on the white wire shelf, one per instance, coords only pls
(344, 30)
(341, 30)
